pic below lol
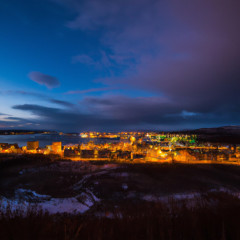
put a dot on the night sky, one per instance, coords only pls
(106, 65)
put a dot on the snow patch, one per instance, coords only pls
(29, 195)
(64, 205)
(26, 199)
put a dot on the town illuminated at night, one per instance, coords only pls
(134, 147)
(119, 119)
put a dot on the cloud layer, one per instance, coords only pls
(119, 113)
(187, 51)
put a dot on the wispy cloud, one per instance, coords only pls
(101, 61)
(40, 96)
(4, 114)
(91, 90)
(17, 122)
(84, 59)
(44, 79)
(61, 102)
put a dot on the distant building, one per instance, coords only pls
(57, 147)
(68, 152)
(9, 148)
(104, 153)
(4, 145)
(32, 145)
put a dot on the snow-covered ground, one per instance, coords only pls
(26, 199)
(185, 196)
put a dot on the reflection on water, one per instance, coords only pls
(47, 139)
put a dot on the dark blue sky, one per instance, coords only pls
(74, 65)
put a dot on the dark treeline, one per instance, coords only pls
(214, 216)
